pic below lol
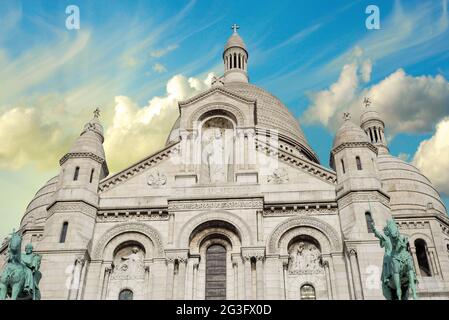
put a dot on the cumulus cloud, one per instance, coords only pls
(40, 132)
(432, 156)
(135, 131)
(24, 135)
(407, 104)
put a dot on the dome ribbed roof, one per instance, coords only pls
(349, 132)
(37, 208)
(409, 189)
(370, 114)
(91, 139)
(235, 41)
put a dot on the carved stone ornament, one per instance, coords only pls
(156, 180)
(304, 258)
(130, 266)
(279, 175)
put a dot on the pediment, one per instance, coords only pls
(217, 100)
(217, 91)
(153, 161)
(300, 163)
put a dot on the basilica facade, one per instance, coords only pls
(236, 205)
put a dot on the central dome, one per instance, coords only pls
(271, 113)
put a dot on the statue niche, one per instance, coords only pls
(128, 263)
(217, 151)
(304, 257)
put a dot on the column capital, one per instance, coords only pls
(253, 252)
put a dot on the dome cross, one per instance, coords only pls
(235, 27)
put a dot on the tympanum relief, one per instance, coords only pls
(304, 258)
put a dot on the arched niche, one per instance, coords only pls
(325, 234)
(242, 230)
(147, 236)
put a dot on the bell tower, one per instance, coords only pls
(71, 216)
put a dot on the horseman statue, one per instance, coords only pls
(398, 273)
(20, 277)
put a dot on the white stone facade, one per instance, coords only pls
(288, 227)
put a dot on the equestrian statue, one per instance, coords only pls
(20, 276)
(398, 273)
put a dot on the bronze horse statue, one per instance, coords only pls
(12, 279)
(398, 272)
(21, 276)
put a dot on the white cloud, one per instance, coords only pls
(38, 132)
(135, 131)
(432, 156)
(406, 103)
(159, 68)
(162, 52)
(328, 104)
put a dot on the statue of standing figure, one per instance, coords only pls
(20, 277)
(398, 272)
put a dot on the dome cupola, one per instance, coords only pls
(374, 127)
(235, 58)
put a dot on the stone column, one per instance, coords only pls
(259, 277)
(147, 282)
(415, 261)
(170, 278)
(248, 279)
(325, 265)
(158, 281)
(107, 275)
(284, 277)
(171, 227)
(196, 151)
(195, 266)
(235, 268)
(355, 274)
(433, 262)
(83, 280)
(251, 148)
(259, 225)
(241, 149)
(75, 282)
(184, 137)
(182, 278)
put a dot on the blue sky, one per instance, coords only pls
(316, 56)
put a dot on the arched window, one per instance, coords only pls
(125, 294)
(215, 272)
(369, 221)
(91, 175)
(421, 255)
(77, 172)
(235, 60)
(343, 166)
(308, 292)
(63, 234)
(359, 163)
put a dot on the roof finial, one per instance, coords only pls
(367, 102)
(97, 113)
(346, 116)
(235, 27)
